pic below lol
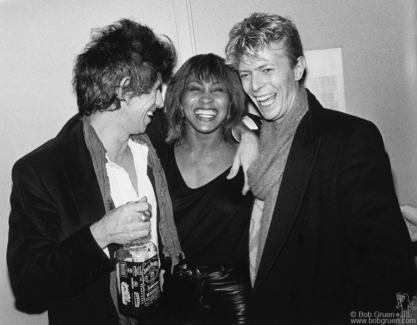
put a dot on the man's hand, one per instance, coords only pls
(410, 216)
(123, 224)
(246, 153)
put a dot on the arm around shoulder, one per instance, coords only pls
(246, 154)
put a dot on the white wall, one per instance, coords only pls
(40, 39)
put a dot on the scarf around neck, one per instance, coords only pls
(167, 230)
(265, 173)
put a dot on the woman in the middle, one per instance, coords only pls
(204, 101)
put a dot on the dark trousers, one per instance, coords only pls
(206, 295)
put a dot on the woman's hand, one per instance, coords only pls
(410, 216)
(247, 152)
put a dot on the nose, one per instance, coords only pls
(159, 103)
(256, 83)
(206, 97)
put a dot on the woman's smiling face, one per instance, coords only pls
(205, 105)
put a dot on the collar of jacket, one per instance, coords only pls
(310, 125)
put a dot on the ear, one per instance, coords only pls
(299, 68)
(123, 84)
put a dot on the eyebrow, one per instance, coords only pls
(257, 68)
(201, 82)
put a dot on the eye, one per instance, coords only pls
(220, 89)
(194, 87)
(243, 75)
(267, 70)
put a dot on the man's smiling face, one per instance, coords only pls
(270, 80)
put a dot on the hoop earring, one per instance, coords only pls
(228, 112)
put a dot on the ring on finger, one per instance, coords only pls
(144, 216)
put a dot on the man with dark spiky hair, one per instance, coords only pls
(82, 193)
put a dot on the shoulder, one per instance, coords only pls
(338, 130)
(347, 126)
(331, 123)
(328, 119)
(54, 152)
(333, 120)
(344, 135)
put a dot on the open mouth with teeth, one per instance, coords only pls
(266, 100)
(205, 113)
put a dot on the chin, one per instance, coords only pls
(271, 114)
(267, 116)
(142, 130)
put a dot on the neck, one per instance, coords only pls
(203, 143)
(113, 138)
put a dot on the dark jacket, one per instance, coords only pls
(337, 242)
(54, 262)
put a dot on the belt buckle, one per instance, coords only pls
(199, 273)
(192, 271)
(184, 270)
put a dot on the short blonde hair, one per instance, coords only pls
(252, 34)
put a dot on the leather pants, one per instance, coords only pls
(208, 294)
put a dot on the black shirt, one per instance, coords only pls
(212, 220)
